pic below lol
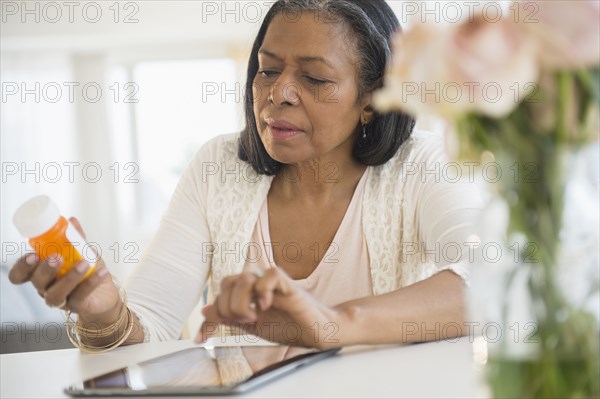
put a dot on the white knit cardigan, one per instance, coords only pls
(417, 220)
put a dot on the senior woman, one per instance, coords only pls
(323, 223)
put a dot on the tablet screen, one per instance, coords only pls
(227, 369)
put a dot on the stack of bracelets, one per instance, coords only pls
(78, 333)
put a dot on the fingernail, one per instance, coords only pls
(262, 303)
(54, 261)
(198, 339)
(102, 272)
(82, 267)
(205, 309)
(31, 259)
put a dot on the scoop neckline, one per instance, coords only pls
(266, 231)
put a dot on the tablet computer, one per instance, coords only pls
(201, 371)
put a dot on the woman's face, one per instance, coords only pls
(306, 91)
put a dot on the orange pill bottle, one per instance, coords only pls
(50, 234)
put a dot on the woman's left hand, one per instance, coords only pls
(272, 307)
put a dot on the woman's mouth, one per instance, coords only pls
(282, 130)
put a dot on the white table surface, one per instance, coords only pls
(437, 369)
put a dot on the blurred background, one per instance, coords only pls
(104, 104)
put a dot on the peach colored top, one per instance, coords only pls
(343, 274)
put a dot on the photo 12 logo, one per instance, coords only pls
(460, 11)
(54, 92)
(54, 172)
(117, 252)
(53, 12)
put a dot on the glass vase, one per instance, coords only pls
(535, 283)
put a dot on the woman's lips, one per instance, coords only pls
(283, 134)
(282, 130)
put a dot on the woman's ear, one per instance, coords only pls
(367, 114)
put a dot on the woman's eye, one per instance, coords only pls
(267, 73)
(315, 81)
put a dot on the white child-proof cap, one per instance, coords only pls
(36, 216)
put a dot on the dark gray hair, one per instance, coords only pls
(371, 24)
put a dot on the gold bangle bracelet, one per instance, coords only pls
(101, 332)
(75, 338)
(75, 331)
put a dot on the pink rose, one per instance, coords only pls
(567, 32)
(451, 70)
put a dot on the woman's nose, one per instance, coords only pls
(285, 91)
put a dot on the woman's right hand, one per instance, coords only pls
(95, 299)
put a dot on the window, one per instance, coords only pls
(176, 106)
